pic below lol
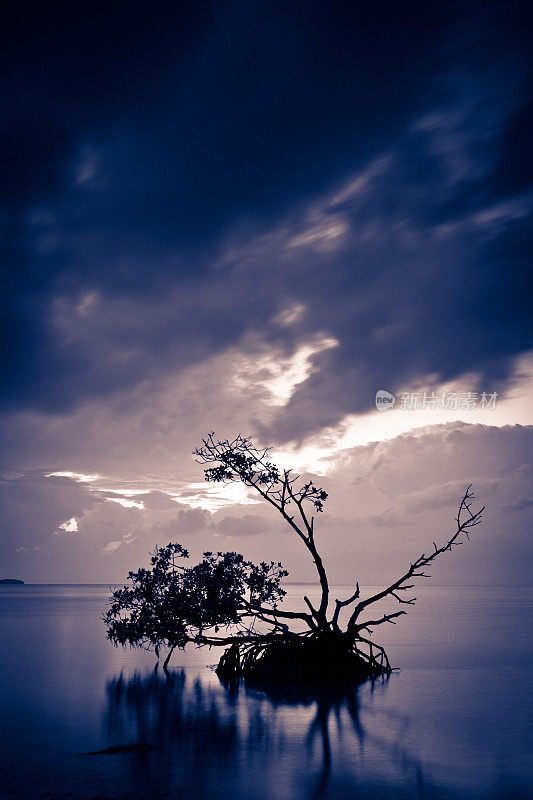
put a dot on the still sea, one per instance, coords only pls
(81, 719)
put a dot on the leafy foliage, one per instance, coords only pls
(171, 604)
(240, 460)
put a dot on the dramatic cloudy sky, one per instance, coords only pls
(250, 217)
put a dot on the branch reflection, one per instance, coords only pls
(203, 737)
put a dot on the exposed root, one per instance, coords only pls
(305, 660)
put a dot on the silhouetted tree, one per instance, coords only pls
(172, 605)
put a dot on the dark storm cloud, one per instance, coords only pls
(169, 189)
(34, 506)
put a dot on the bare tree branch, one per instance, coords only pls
(341, 604)
(385, 618)
(465, 520)
(239, 460)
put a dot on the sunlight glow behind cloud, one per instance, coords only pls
(69, 526)
(318, 454)
(77, 476)
(127, 503)
(213, 496)
(280, 376)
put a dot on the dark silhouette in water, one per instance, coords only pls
(175, 727)
(123, 748)
(172, 605)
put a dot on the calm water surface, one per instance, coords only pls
(456, 722)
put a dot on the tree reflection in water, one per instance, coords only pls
(199, 737)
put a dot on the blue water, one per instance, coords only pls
(456, 722)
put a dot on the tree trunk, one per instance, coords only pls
(167, 659)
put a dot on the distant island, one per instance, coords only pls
(10, 581)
